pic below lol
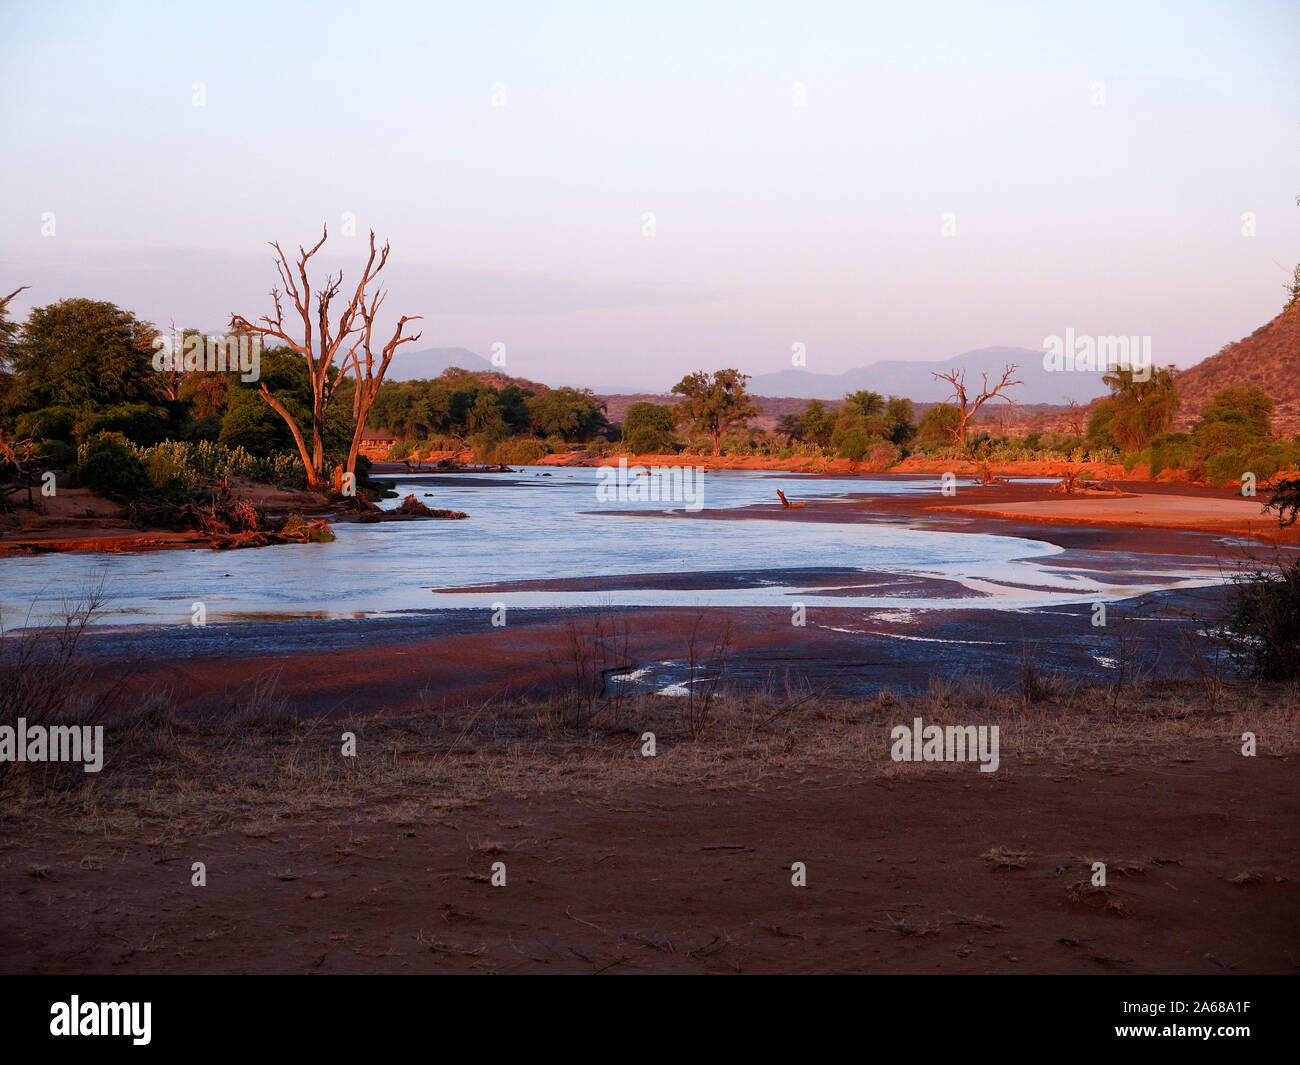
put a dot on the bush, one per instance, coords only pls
(1170, 451)
(1262, 627)
(854, 444)
(518, 451)
(647, 428)
(56, 454)
(298, 527)
(141, 423)
(48, 423)
(107, 464)
(883, 456)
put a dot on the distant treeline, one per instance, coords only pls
(82, 370)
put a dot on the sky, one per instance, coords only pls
(622, 193)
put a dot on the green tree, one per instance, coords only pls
(84, 353)
(568, 413)
(648, 428)
(1143, 407)
(1248, 404)
(8, 330)
(714, 405)
(864, 404)
(900, 416)
(941, 424)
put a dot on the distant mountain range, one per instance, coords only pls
(429, 363)
(1269, 358)
(916, 381)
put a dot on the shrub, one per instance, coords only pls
(141, 423)
(853, 444)
(107, 464)
(298, 527)
(56, 454)
(882, 456)
(49, 423)
(518, 451)
(1262, 626)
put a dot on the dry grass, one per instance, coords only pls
(260, 768)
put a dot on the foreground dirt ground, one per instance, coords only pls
(918, 869)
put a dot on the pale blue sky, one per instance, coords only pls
(775, 224)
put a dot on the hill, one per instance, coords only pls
(1268, 358)
(430, 362)
(915, 380)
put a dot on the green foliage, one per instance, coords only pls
(56, 454)
(853, 444)
(712, 405)
(864, 404)
(517, 451)
(141, 423)
(901, 417)
(52, 423)
(1251, 406)
(298, 527)
(1170, 451)
(108, 465)
(882, 456)
(814, 425)
(648, 428)
(1285, 500)
(567, 413)
(1262, 626)
(1140, 409)
(84, 353)
(939, 425)
(1101, 422)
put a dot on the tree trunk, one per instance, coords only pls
(313, 476)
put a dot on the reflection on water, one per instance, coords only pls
(529, 526)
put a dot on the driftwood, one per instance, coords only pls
(1076, 482)
(230, 523)
(786, 503)
(456, 467)
(410, 509)
(16, 471)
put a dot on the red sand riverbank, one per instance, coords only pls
(695, 878)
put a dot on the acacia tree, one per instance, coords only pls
(1143, 407)
(714, 404)
(321, 343)
(966, 406)
(8, 329)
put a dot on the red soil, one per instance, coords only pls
(697, 879)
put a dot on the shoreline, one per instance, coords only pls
(998, 509)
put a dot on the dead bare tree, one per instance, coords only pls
(1074, 417)
(321, 347)
(369, 376)
(967, 407)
